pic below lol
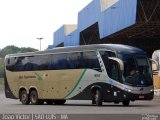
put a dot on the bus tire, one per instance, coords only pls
(49, 102)
(126, 103)
(24, 97)
(59, 102)
(98, 98)
(34, 98)
(93, 99)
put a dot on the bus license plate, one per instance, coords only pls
(141, 97)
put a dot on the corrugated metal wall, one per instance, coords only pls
(89, 15)
(120, 15)
(117, 17)
(69, 39)
(72, 39)
(59, 36)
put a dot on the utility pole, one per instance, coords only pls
(40, 42)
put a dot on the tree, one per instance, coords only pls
(1, 68)
(11, 50)
(28, 49)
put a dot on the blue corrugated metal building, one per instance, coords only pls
(133, 22)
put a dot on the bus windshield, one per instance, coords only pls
(137, 71)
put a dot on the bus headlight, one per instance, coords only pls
(151, 90)
(128, 90)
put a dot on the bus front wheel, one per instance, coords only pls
(24, 98)
(34, 98)
(98, 98)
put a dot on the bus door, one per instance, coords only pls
(114, 68)
(114, 71)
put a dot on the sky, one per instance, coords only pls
(23, 21)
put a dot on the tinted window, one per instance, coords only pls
(40, 62)
(114, 70)
(21, 64)
(91, 60)
(137, 71)
(105, 55)
(111, 66)
(75, 60)
(60, 61)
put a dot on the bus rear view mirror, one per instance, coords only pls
(154, 65)
(119, 61)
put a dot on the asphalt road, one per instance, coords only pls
(80, 107)
(79, 110)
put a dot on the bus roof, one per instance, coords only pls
(118, 48)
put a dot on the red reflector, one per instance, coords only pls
(141, 97)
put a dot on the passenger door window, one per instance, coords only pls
(111, 66)
(114, 70)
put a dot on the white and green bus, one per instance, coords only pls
(100, 73)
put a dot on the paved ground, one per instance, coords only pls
(80, 107)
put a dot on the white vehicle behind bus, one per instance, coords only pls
(156, 72)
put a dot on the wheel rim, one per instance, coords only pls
(33, 98)
(24, 97)
(96, 96)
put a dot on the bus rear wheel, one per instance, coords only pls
(34, 98)
(59, 102)
(24, 98)
(126, 103)
(98, 98)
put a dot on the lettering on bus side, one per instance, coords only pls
(97, 75)
(26, 77)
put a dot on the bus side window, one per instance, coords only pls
(8, 61)
(91, 60)
(8, 64)
(63, 63)
(80, 62)
(71, 58)
(75, 60)
(50, 62)
(28, 63)
(60, 61)
(18, 65)
(104, 56)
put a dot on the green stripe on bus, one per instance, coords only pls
(76, 83)
(38, 76)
